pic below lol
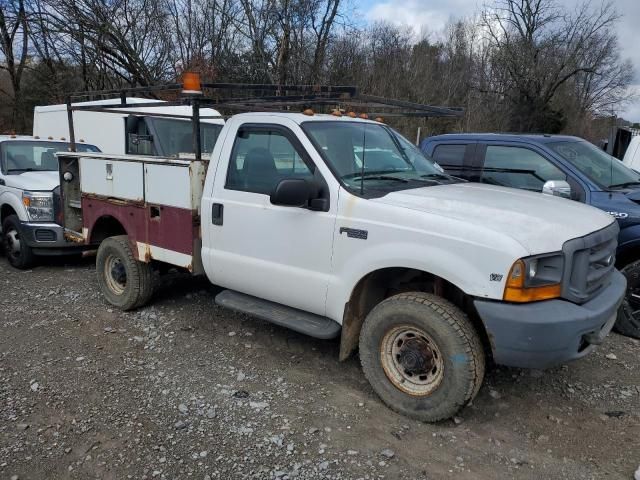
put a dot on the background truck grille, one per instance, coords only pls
(589, 263)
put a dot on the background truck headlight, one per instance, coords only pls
(535, 278)
(39, 206)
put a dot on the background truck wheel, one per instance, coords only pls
(421, 355)
(125, 282)
(19, 254)
(628, 321)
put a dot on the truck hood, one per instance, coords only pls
(540, 223)
(39, 181)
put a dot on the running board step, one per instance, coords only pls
(292, 318)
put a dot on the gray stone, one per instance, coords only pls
(494, 394)
(388, 453)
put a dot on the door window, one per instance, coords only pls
(450, 157)
(518, 167)
(261, 158)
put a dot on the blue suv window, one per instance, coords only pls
(518, 167)
(450, 157)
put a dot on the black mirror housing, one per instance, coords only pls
(292, 192)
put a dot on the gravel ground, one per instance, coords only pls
(186, 389)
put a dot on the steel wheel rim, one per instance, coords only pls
(115, 274)
(411, 360)
(12, 243)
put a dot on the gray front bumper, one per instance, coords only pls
(552, 332)
(49, 236)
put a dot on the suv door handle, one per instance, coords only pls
(217, 210)
(2, 181)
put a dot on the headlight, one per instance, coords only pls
(39, 206)
(535, 278)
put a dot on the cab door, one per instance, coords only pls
(277, 253)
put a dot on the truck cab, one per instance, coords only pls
(558, 165)
(29, 196)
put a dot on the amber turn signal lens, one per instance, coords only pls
(532, 294)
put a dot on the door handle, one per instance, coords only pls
(2, 182)
(217, 211)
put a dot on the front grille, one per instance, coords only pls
(45, 235)
(589, 263)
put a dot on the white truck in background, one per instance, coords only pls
(338, 226)
(30, 198)
(138, 131)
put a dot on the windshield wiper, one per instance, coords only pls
(624, 185)
(380, 177)
(23, 170)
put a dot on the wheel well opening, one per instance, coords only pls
(386, 282)
(106, 227)
(626, 257)
(5, 211)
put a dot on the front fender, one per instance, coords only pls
(472, 277)
(12, 200)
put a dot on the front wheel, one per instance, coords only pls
(422, 356)
(125, 282)
(628, 321)
(19, 254)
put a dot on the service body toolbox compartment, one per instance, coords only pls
(157, 201)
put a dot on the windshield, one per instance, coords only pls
(176, 136)
(370, 158)
(603, 169)
(34, 156)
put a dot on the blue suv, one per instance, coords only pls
(557, 165)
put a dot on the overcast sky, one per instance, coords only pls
(434, 14)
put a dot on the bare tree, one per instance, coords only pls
(537, 46)
(14, 45)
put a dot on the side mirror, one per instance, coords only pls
(292, 192)
(558, 188)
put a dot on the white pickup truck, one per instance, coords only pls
(29, 198)
(332, 225)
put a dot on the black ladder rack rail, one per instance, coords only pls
(280, 98)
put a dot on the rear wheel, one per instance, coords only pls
(628, 321)
(19, 254)
(125, 282)
(421, 355)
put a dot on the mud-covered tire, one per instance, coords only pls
(125, 282)
(440, 329)
(19, 254)
(628, 321)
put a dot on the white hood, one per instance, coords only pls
(36, 181)
(540, 223)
